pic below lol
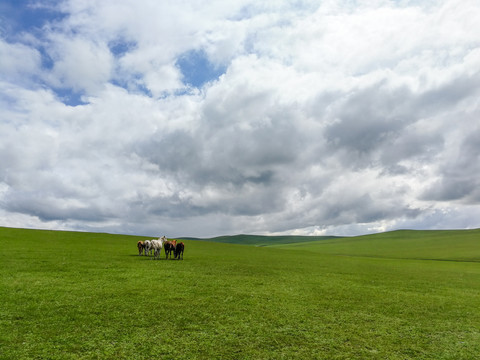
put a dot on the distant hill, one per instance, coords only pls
(263, 240)
(452, 245)
(445, 245)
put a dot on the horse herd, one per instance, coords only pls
(149, 247)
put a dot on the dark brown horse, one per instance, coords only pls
(179, 250)
(169, 248)
(141, 247)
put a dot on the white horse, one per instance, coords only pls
(148, 247)
(157, 246)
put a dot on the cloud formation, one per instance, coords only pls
(187, 118)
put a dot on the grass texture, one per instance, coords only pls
(71, 295)
(262, 240)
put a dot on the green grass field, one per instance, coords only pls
(448, 245)
(399, 295)
(261, 240)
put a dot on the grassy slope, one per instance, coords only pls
(96, 299)
(260, 240)
(455, 245)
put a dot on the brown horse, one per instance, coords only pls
(141, 247)
(179, 250)
(169, 248)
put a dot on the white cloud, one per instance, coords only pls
(18, 61)
(335, 118)
(80, 64)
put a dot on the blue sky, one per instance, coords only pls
(24, 15)
(194, 119)
(197, 69)
(32, 17)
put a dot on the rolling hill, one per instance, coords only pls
(454, 245)
(263, 240)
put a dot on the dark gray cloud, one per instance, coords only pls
(369, 118)
(459, 177)
(448, 94)
(50, 206)
(410, 145)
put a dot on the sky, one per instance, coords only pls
(194, 118)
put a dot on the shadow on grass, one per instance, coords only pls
(150, 258)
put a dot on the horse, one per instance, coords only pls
(157, 246)
(148, 247)
(179, 250)
(141, 247)
(169, 247)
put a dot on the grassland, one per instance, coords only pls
(67, 295)
(260, 240)
(447, 245)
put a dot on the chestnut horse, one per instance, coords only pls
(169, 248)
(141, 247)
